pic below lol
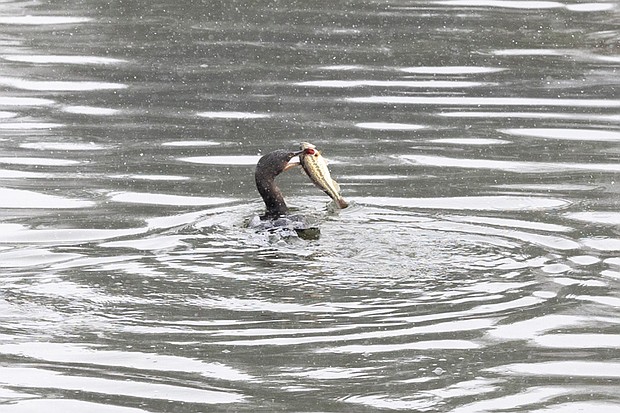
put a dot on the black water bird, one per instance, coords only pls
(276, 215)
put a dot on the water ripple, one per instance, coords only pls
(513, 4)
(42, 20)
(451, 70)
(39, 161)
(23, 101)
(92, 355)
(58, 86)
(438, 84)
(20, 198)
(233, 115)
(63, 146)
(62, 59)
(191, 143)
(470, 141)
(29, 125)
(91, 110)
(15, 233)
(241, 160)
(479, 203)
(418, 345)
(566, 134)
(389, 126)
(487, 101)
(509, 166)
(532, 115)
(32, 378)
(463, 325)
(578, 341)
(166, 199)
(26, 403)
(526, 397)
(32, 256)
(565, 368)
(596, 217)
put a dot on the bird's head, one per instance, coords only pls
(276, 162)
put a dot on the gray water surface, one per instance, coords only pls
(477, 269)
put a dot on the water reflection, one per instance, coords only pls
(509, 166)
(42, 379)
(533, 115)
(58, 86)
(63, 146)
(24, 101)
(487, 101)
(388, 126)
(426, 84)
(90, 110)
(42, 20)
(19, 198)
(166, 199)
(583, 135)
(233, 115)
(65, 59)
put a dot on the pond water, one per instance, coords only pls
(477, 268)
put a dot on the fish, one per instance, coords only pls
(316, 168)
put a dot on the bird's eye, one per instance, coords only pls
(310, 151)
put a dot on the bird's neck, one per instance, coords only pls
(274, 201)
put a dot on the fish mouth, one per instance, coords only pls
(307, 148)
(291, 164)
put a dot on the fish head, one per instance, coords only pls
(308, 149)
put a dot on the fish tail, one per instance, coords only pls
(342, 203)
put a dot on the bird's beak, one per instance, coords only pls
(293, 164)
